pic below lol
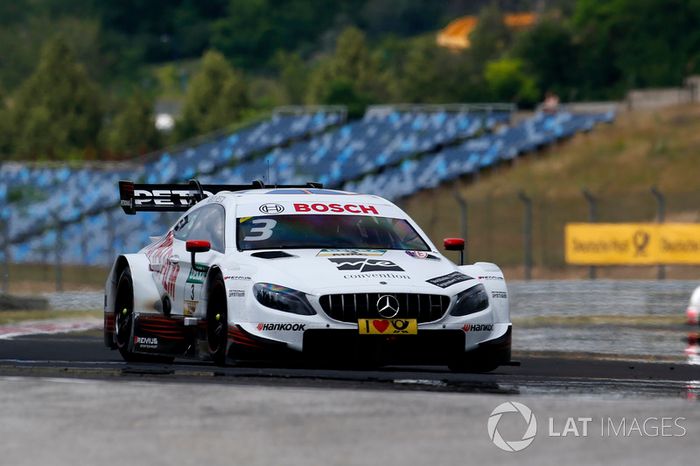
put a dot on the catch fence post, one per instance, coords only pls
(660, 218)
(111, 236)
(527, 234)
(58, 253)
(592, 202)
(5, 228)
(463, 218)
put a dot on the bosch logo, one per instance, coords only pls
(387, 306)
(271, 209)
(337, 208)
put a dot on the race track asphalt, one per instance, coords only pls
(66, 400)
(83, 355)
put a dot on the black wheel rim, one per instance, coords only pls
(123, 327)
(217, 328)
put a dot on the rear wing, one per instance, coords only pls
(177, 197)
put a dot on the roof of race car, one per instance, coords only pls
(266, 201)
(263, 195)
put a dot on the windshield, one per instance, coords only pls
(327, 231)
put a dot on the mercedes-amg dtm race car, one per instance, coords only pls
(256, 272)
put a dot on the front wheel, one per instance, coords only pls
(217, 322)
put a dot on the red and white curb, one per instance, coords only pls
(44, 327)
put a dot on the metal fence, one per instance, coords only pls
(524, 233)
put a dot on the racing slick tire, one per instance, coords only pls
(217, 321)
(124, 321)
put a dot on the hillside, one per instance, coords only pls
(617, 163)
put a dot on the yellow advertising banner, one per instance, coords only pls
(632, 243)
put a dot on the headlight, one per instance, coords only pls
(473, 300)
(282, 299)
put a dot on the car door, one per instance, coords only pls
(206, 223)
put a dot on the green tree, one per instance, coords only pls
(293, 75)
(636, 43)
(252, 31)
(551, 56)
(56, 113)
(342, 91)
(352, 62)
(5, 128)
(491, 38)
(216, 96)
(133, 130)
(507, 81)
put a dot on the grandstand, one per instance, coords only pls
(393, 151)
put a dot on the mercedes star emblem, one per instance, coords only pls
(387, 306)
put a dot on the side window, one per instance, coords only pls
(208, 225)
(184, 225)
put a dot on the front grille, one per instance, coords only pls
(352, 306)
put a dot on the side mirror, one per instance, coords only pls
(455, 244)
(194, 246)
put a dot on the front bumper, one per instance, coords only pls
(338, 345)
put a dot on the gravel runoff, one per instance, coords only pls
(66, 422)
(573, 298)
(75, 300)
(599, 297)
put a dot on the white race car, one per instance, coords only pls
(255, 272)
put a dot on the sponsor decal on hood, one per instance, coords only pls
(422, 255)
(350, 252)
(366, 265)
(399, 276)
(448, 280)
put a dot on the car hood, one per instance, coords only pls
(318, 271)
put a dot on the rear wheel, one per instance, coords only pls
(124, 321)
(217, 322)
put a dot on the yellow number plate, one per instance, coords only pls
(388, 326)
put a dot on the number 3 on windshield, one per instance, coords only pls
(262, 232)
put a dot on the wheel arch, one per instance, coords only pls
(147, 294)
